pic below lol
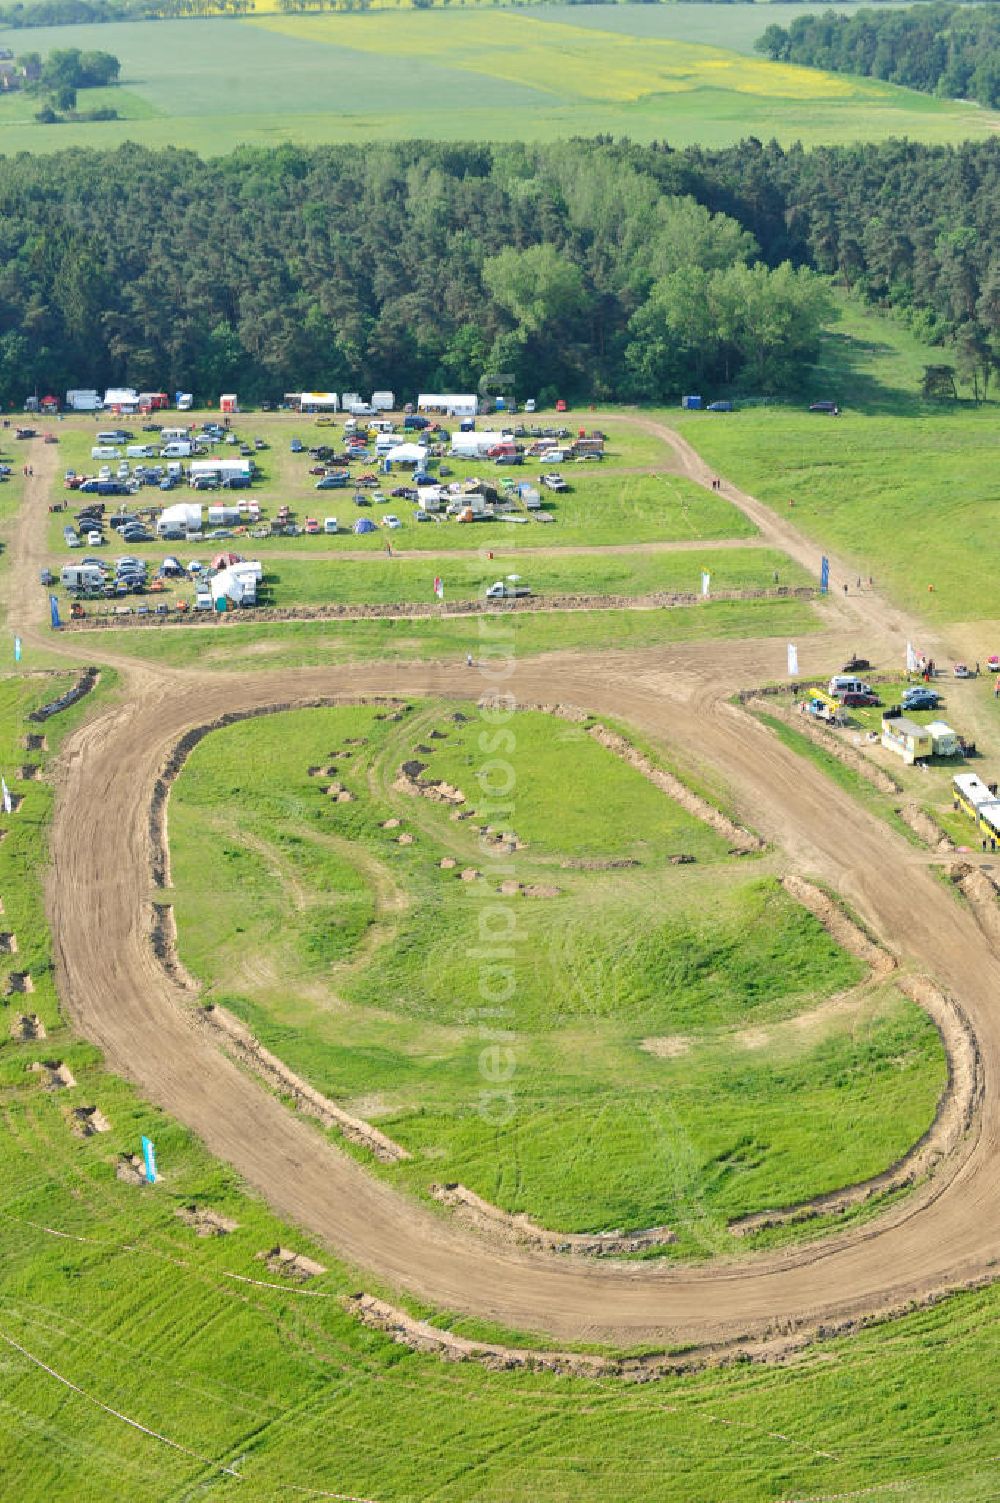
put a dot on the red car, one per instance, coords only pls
(859, 701)
(561, 405)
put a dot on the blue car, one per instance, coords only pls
(920, 699)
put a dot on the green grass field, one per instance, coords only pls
(397, 580)
(358, 961)
(212, 85)
(306, 644)
(901, 488)
(105, 1285)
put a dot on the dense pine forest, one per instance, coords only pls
(949, 50)
(588, 269)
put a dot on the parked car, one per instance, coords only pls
(331, 482)
(390, 520)
(830, 408)
(330, 525)
(919, 698)
(296, 446)
(95, 539)
(962, 670)
(311, 526)
(507, 590)
(859, 701)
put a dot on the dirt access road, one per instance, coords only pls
(117, 994)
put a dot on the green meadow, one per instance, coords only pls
(211, 85)
(356, 957)
(226, 645)
(901, 488)
(107, 1286)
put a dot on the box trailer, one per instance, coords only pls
(478, 445)
(383, 401)
(221, 469)
(223, 516)
(83, 401)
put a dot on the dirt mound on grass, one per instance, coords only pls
(131, 1170)
(88, 1121)
(929, 831)
(56, 1075)
(842, 929)
(27, 1026)
(290, 1265)
(520, 1229)
(240, 1042)
(206, 1223)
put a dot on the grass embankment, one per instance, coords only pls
(321, 644)
(389, 580)
(653, 1081)
(462, 75)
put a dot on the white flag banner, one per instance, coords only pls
(706, 581)
(439, 588)
(793, 660)
(911, 658)
(8, 805)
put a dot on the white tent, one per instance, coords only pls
(407, 454)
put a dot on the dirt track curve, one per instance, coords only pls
(943, 1236)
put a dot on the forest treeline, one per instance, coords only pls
(949, 50)
(593, 269)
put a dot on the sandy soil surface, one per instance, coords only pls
(119, 995)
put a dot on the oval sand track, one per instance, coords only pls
(118, 996)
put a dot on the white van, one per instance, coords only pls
(330, 525)
(113, 436)
(105, 451)
(178, 449)
(847, 683)
(140, 451)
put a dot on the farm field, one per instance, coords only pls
(211, 85)
(362, 952)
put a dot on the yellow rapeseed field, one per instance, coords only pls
(561, 59)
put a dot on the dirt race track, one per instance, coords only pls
(946, 1234)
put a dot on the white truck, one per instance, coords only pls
(505, 589)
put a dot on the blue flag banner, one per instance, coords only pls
(17, 649)
(149, 1154)
(54, 609)
(824, 574)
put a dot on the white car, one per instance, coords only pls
(389, 520)
(95, 539)
(330, 525)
